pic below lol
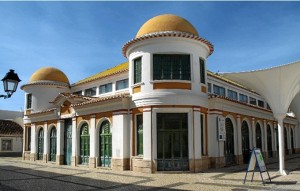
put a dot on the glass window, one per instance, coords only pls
(139, 126)
(209, 87)
(78, 92)
(90, 91)
(232, 94)
(6, 145)
(219, 90)
(268, 106)
(171, 67)
(28, 101)
(29, 138)
(137, 64)
(261, 103)
(243, 98)
(122, 84)
(105, 88)
(202, 71)
(252, 100)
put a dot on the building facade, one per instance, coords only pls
(159, 111)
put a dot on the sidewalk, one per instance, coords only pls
(16, 174)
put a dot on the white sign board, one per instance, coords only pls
(257, 156)
(221, 129)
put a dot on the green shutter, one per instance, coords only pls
(137, 70)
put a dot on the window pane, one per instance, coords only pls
(171, 67)
(122, 84)
(137, 70)
(90, 91)
(202, 71)
(209, 87)
(78, 92)
(243, 98)
(219, 90)
(105, 88)
(260, 103)
(29, 101)
(232, 94)
(252, 100)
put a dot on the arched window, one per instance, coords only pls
(258, 136)
(84, 144)
(269, 141)
(245, 142)
(229, 143)
(40, 144)
(53, 144)
(105, 149)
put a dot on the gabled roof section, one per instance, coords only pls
(8, 127)
(104, 99)
(72, 97)
(109, 72)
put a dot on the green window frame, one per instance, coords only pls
(171, 67)
(137, 65)
(28, 101)
(139, 136)
(202, 70)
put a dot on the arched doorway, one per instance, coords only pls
(258, 136)
(245, 142)
(53, 144)
(105, 149)
(40, 144)
(269, 142)
(84, 144)
(229, 143)
(285, 142)
(292, 142)
(68, 142)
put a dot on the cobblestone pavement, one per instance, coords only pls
(16, 174)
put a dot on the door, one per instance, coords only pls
(84, 144)
(40, 144)
(258, 136)
(53, 144)
(229, 143)
(269, 141)
(292, 142)
(245, 142)
(105, 144)
(172, 142)
(68, 142)
(285, 142)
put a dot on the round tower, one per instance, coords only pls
(166, 62)
(44, 85)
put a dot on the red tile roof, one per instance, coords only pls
(8, 127)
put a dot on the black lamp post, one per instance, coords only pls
(10, 83)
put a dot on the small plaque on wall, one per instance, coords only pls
(221, 129)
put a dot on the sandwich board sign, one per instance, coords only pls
(257, 160)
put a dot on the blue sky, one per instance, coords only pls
(84, 38)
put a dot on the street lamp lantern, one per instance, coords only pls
(10, 83)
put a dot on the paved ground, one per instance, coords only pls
(16, 174)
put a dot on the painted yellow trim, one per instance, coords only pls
(172, 85)
(203, 89)
(136, 89)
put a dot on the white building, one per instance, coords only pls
(160, 111)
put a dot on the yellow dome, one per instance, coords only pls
(167, 22)
(49, 74)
